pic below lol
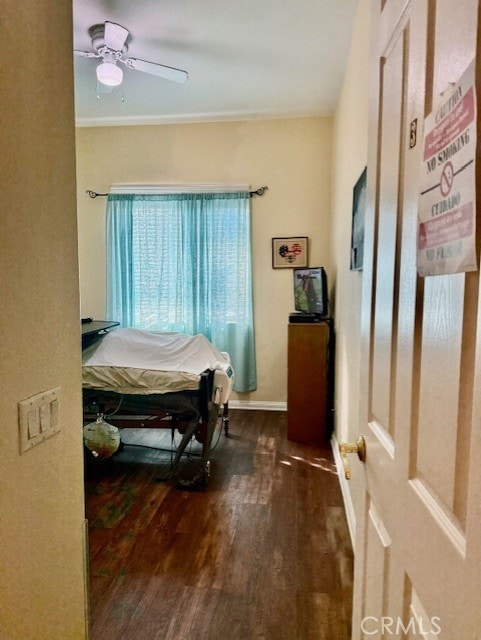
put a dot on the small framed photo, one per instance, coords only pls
(289, 252)
(357, 235)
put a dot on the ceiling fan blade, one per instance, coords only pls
(160, 70)
(86, 54)
(115, 36)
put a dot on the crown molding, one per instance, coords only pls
(193, 118)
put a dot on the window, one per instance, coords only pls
(182, 262)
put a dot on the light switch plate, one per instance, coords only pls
(38, 418)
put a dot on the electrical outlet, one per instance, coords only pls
(38, 418)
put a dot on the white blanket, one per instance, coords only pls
(134, 361)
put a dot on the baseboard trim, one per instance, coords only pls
(346, 493)
(258, 405)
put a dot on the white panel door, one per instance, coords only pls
(418, 546)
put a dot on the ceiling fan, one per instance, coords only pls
(109, 41)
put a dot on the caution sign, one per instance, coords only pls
(447, 206)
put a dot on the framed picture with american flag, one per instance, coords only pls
(289, 252)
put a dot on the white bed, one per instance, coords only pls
(134, 372)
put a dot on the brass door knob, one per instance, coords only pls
(358, 447)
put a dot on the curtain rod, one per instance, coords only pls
(258, 192)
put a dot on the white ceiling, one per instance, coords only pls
(246, 59)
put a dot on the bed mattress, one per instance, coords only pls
(138, 381)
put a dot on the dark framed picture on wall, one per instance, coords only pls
(357, 233)
(289, 252)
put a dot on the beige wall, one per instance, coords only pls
(349, 160)
(41, 491)
(292, 157)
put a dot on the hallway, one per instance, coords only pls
(264, 552)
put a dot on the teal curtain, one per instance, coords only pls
(182, 262)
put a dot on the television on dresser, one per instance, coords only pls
(310, 292)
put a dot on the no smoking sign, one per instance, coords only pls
(447, 179)
(446, 213)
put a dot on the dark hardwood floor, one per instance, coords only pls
(262, 553)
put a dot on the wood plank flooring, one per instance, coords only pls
(262, 553)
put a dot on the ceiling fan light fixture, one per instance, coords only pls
(110, 74)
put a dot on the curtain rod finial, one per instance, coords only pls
(94, 194)
(259, 192)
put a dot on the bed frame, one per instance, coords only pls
(193, 413)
